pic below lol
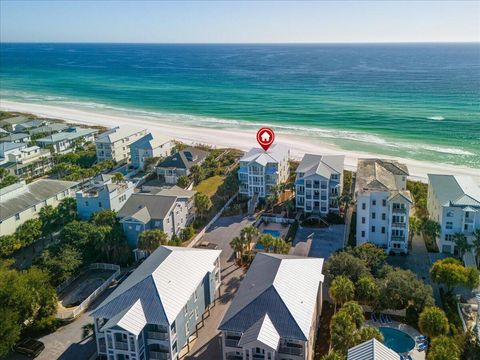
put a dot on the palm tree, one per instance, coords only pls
(341, 290)
(280, 246)
(150, 240)
(88, 330)
(267, 241)
(238, 244)
(117, 178)
(432, 229)
(461, 243)
(289, 206)
(271, 201)
(249, 233)
(414, 227)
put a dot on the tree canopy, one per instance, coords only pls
(451, 272)
(433, 322)
(150, 240)
(341, 290)
(443, 348)
(344, 263)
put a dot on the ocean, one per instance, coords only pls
(418, 101)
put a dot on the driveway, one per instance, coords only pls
(208, 344)
(317, 242)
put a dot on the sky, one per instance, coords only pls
(239, 22)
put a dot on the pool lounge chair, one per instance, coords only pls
(401, 357)
(409, 357)
(420, 338)
(422, 346)
(382, 319)
(388, 318)
(374, 318)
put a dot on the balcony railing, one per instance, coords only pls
(121, 345)
(399, 210)
(399, 224)
(398, 238)
(297, 351)
(231, 342)
(159, 355)
(468, 220)
(157, 335)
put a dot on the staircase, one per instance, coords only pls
(252, 204)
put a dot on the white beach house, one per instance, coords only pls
(154, 313)
(383, 204)
(24, 161)
(319, 183)
(275, 312)
(63, 142)
(114, 144)
(454, 202)
(149, 146)
(262, 170)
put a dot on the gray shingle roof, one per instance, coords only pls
(163, 284)
(284, 287)
(275, 154)
(14, 137)
(33, 194)
(378, 174)
(323, 165)
(145, 206)
(184, 159)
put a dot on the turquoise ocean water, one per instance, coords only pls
(419, 101)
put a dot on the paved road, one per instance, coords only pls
(323, 242)
(208, 344)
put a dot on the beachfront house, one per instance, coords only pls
(319, 183)
(24, 161)
(454, 202)
(383, 204)
(179, 164)
(102, 194)
(47, 129)
(154, 313)
(16, 138)
(29, 125)
(169, 210)
(372, 350)
(149, 146)
(275, 312)
(22, 202)
(64, 142)
(114, 144)
(261, 171)
(11, 123)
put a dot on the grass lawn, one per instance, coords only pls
(209, 186)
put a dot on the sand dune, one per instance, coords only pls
(241, 139)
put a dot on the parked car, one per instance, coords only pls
(30, 347)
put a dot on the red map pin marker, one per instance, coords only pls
(265, 137)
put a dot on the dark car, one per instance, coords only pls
(30, 347)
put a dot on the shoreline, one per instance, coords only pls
(241, 139)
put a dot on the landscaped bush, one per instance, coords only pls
(292, 231)
(449, 302)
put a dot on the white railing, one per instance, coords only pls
(74, 312)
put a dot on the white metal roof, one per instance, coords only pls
(118, 133)
(283, 286)
(263, 331)
(164, 283)
(131, 319)
(458, 190)
(323, 165)
(275, 154)
(372, 350)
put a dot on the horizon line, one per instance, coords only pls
(244, 43)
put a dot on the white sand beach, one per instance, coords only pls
(236, 138)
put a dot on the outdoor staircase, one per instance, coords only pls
(252, 204)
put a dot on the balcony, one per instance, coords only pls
(399, 210)
(232, 342)
(399, 225)
(159, 355)
(398, 238)
(156, 335)
(469, 220)
(296, 351)
(121, 345)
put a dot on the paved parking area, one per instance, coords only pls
(322, 242)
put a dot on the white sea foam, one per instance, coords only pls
(436, 117)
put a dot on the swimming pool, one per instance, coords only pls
(274, 233)
(397, 340)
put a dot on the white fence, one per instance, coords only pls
(74, 312)
(197, 237)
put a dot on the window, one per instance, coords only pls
(187, 329)
(384, 202)
(185, 310)
(196, 314)
(137, 228)
(17, 216)
(448, 237)
(195, 296)
(363, 219)
(99, 204)
(450, 213)
(383, 229)
(363, 233)
(364, 206)
(86, 203)
(373, 228)
(384, 216)
(173, 328)
(373, 215)
(374, 202)
(449, 225)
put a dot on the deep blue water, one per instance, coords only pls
(420, 101)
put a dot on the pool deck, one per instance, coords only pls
(414, 353)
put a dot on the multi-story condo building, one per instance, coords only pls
(63, 142)
(454, 202)
(24, 161)
(155, 311)
(21, 202)
(262, 170)
(275, 312)
(103, 194)
(149, 146)
(114, 144)
(372, 350)
(168, 210)
(179, 164)
(319, 183)
(383, 204)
